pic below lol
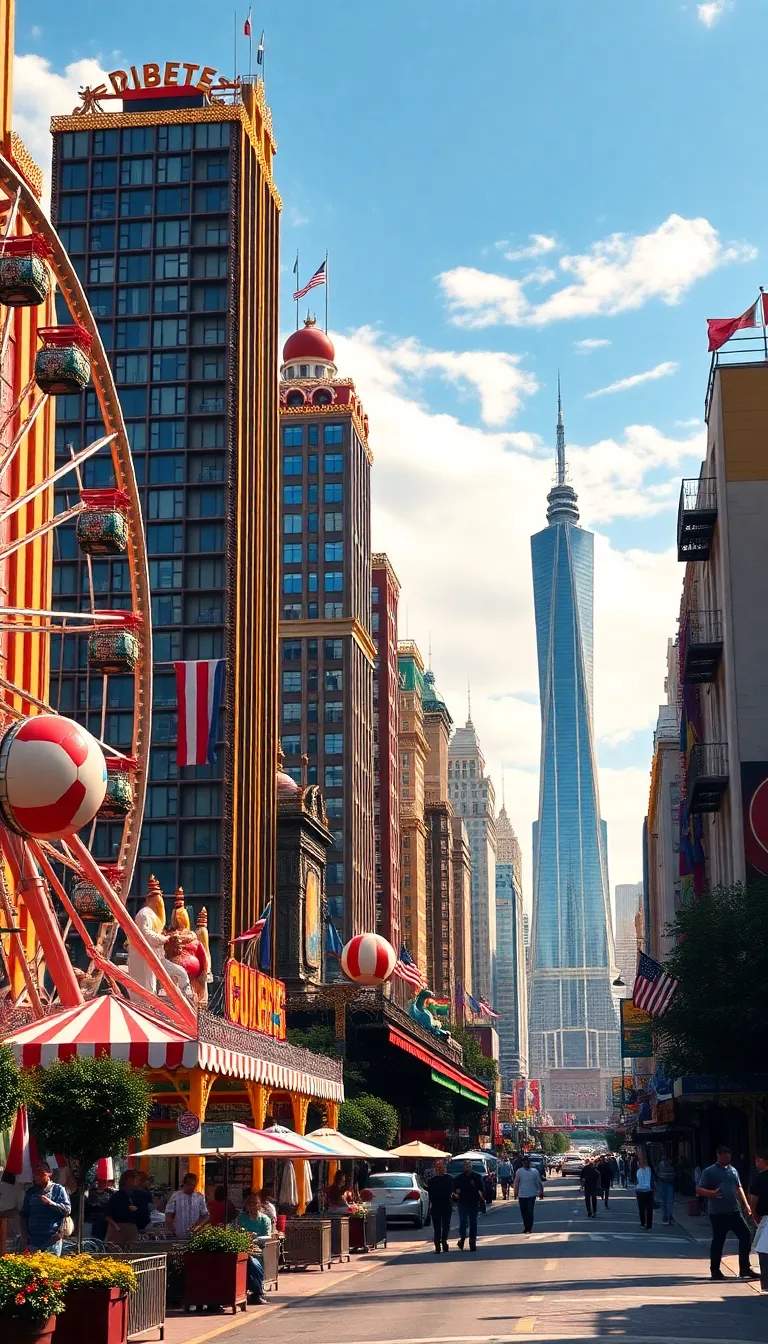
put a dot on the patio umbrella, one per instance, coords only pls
(246, 1142)
(343, 1146)
(417, 1149)
(289, 1190)
(313, 1147)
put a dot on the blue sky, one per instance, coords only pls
(425, 146)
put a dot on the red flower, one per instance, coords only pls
(19, 1299)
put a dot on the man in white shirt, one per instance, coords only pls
(186, 1210)
(527, 1189)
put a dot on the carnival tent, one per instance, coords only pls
(106, 1025)
(344, 1146)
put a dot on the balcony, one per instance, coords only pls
(707, 776)
(696, 518)
(704, 646)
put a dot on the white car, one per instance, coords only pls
(573, 1165)
(402, 1194)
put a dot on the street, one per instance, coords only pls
(574, 1278)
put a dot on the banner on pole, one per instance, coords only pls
(636, 1031)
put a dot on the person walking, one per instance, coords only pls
(726, 1203)
(591, 1183)
(186, 1210)
(469, 1194)
(43, 1210)
(606, 1178)
(440, 1189)
(527, 1189)
(644, 1189)
(505, 1176)
(758, 1202)
(665, 1177)
(124, 1212)
(622, 1166)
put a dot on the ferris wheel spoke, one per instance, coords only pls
(12, 546)
(17, 405)
(56, 475)
(21, 433)
(17, 943)
(11, 217)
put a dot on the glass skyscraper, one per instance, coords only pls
(574, 1042)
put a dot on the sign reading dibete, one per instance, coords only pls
(254, 1000)
(170, 75)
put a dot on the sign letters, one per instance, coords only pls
(254, 1000)
(153, 76)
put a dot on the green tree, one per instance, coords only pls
(716, 1021)
(554, 1143)
(614, 1139)
(383, 1119)
(474, 1059)
(354, 1122)
(10, 1087)
(88, 1108)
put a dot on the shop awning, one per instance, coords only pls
(104, 1026)
(235, 1064)
(447, 1074)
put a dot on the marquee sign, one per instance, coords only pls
(254, 1000)
(172, 74)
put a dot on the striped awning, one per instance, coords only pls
(234, 1064)
(104, 1026)
(448, 1075)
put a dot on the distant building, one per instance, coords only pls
(386, 711)
(438, 814)
(629, 897)
(511, 1000)
(473, 798)
(665, 883)
(461, 855)
(413, 749)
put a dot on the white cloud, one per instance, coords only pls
(39, 93)
(539, 245)
(711, 11)
(664, 370)
(617, 274)
(454, 507)
(296, 217)
(36, 30)
(590, 344)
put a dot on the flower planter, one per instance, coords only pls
(358, 1240)
(99, 1315)
(16, 1330)
(215, 1279)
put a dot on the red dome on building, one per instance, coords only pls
(309, 343)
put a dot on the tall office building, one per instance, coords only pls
(629, 896)
(461, 857)
(170, 213)
(413, 750)
(327, 653)
(511, 982)
(386, 711)
(438, 813)
(573, 1037)
(473, 799)
(663, 889)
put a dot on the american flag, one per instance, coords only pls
(317, 279)
(653, 990)
(487, 1009)
(256, 929)
(406, 969)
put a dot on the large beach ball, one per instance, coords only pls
(368, 959)
(53, 777)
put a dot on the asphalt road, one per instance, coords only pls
(574, 1278)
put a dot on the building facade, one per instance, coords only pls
(441, 939)
(386, 709)
(665, 882)
(473, 798)
(413, 749)
(511, 981)
(461, 865)
(573, 1032)
(629, 901)
(170, 213)
(327, 652)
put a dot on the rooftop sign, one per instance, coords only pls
(174, 74)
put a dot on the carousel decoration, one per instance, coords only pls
(188, 949)
(102, 527)
(368, 959)
(52, 777)
(118, 798)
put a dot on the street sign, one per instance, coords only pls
(636, 1031)
(187, 1124)
(217, 1135)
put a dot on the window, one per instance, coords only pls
(292, 494)
(131, 368)
(201, 800)
(212, 168)
(334, 744)
(138, 140)
(312, 435)
(333, 493)
(291, 650)
(136, 203)
(173, 200)
(206, 503)
(170, 331)
(133, 400)
(334, 711)
(174, 138)
(168, 368)
(333, 434)
(210, 298)
(74, 176)
(333, 611)
(171, 298)
(205, 574)
(104, 142)
(313, 583)
(292, 583)
(137, 437)
(172, 233)
(211, 199)
(74, 145)
(291, 744)
(162, 764)
(332, 649)
(333, 462)
(291, 681)
(166, 647)
(164, 574)
(171, 265)
(334, 550)
(208, 366)
(167, 434)
(292, 611)
(207, 468)
(334, 522)
(205, 538)
(132, 268)
(334, 778)
(334, 677)
(204, 609)
(292, 436)
(131, 335)
(211, 232)
(132, 237)
(72, 208)
(165, 504)
(101, 270)
(74, 238)
(166, 470)
(209, 435)
(333, 581)
(312, 552)
(292, 553)
(168, 401)
(292, 466)
(162, 801)
(159, 837)
(209, 331)
(133, 299)
(311, 522)
(292, 712)
(173, 168)
(200, 837)
(103, 173)
(214, 135)
(312, 494)
(166, 610)
(212, 265)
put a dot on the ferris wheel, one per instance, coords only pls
(57, 780)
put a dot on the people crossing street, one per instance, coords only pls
(644, 1189)
(727, 1206)
(468, 1186)
(527, 1189)
(440, 1190)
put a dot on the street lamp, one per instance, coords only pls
(619, 983)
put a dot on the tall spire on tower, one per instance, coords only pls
(560, 436)
(469, 704)
(562, 497)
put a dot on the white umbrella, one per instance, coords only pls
(246, 1142)
(313, 1146)
(289, 1190)
(342, 1145)
(417, 1149)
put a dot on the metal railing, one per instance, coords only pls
(747, 347)
(698, 495)
(705, 627)
(709, 761)
(146, 1306)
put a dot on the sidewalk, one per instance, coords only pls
(700, 1230)
(294, 1285)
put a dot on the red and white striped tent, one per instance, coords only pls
(104, 1026)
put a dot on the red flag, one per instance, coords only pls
(721, 329)
(247, 28)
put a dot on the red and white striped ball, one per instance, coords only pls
(368, 959)
(53, 777)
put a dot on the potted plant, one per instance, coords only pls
(216, 1268)
(31, 1298)
(96, 1297)
(358, 1227)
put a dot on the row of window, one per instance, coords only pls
(163, 169)
(167, 332)
(333, 651)
(142, 203)
(132, 267)
(293, 435)
(293, 552)
(333, 493)
(136, 300)
(333, 713)
(333, 677)
(333, 464)
(138, 235)
(141, 140)
(333, 582)
(173, 503)
(294, 611)
(293, 523)
(170, 367)
(164, 435)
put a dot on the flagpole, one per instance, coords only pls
(326, 291)
(250, 44)
(298, 286)
(762, 319)
(234, 47)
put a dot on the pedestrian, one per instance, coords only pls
(221, 1210)
(253, 1218)
(267, 1204)
(96, 1205)
(622, 1166)
(440, 1190)
(123, 1212)
(143, 1198)
(633, 1165)
(726, 1200)
(505, 1176)
(644, 1189)
(527, 1189)
(665, 1177)
(614, 1165)
(590, 1180)
(469, 1194)
(186, 1210)
(606, 1178)
(43, 1210)
(758, 1202)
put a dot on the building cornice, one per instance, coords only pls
(336, 411)
(332, 628)
(379, 560)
